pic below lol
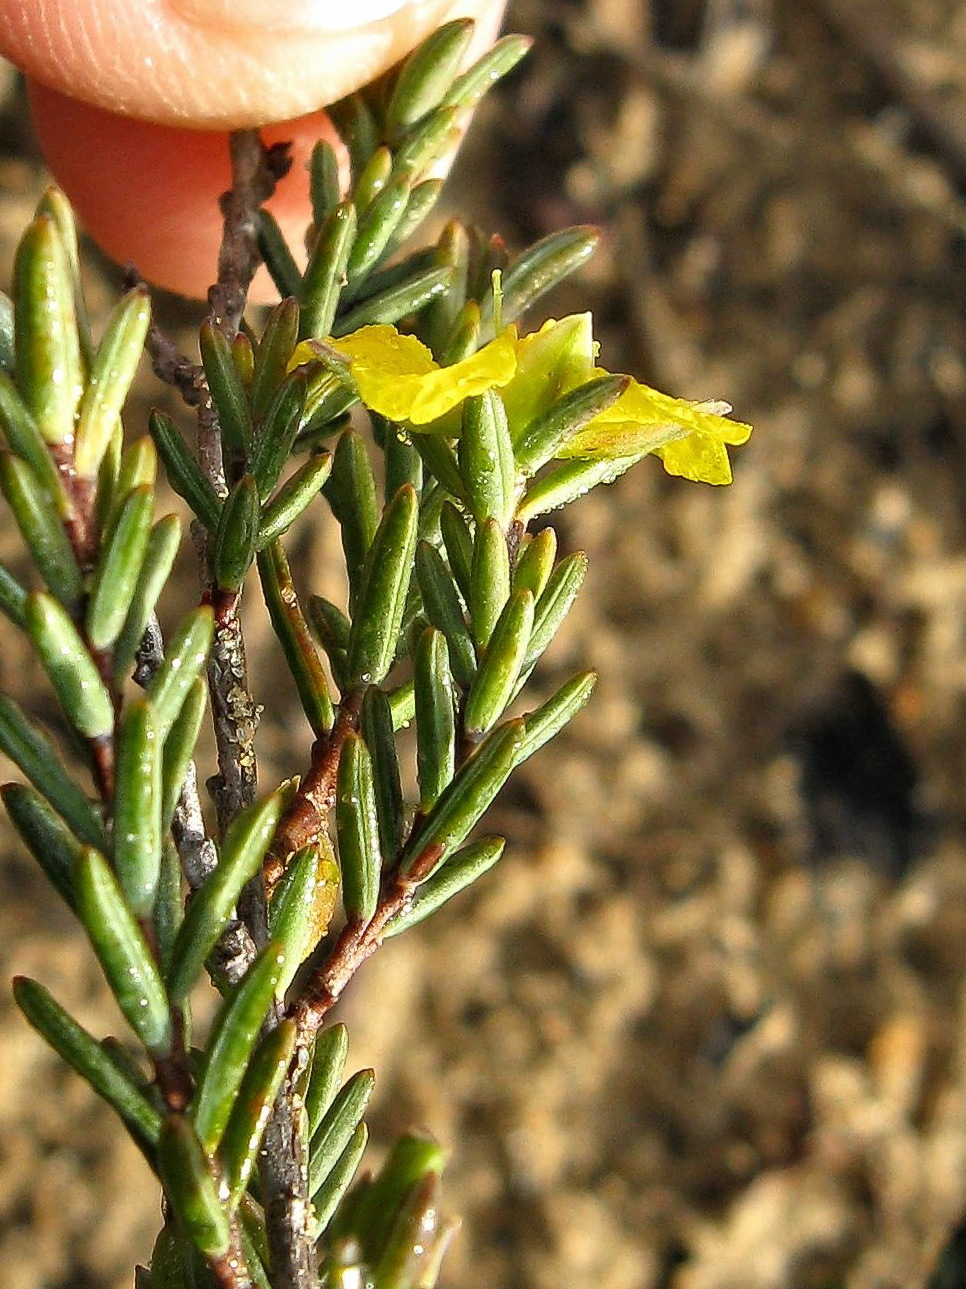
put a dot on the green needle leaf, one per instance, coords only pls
(41, 528)
(137, 808)
(325, 186)
(459, 546)
(293, 635)
(500, 665)
(237, 535)
(411, 1159)
(179, 748)
(256, 1096)
(273, 356)
(383, 589)
(123, 952)
(422, 199)
(302, 905)
(338, 1127)
(183, 663)
(293, 497)
(330, 1194)
(111, 376)
(275, 436)
(550, 717)
(351, 493)
(561, 421)
(230, 1047)
(444, 611)
(467, 90)
(190, 1184)
(55, 205)
(377, 226)
(373, 179)
(463, 803)
(279, 260)
(326, 269)
(539, 269)
(159, 556)
(37, 757)
(328, 1064)
(564, 484)
(396, 302)
(376, 726)
(168, 913)
(535, 563)
(459, 872)
(246, 843)
(13, 597)
(331, 627)
(50, 372)
(23, 435)
(489, 580)
(83, 1052)
(357, 128)
(425, 145)
(427, 75)
(555, 603)
(7, 342)
(184, 472)
(45, 834)
(360, 855)
(486, 458)
(435, 718)
(119, 567)
(227, 390)
(72, 671)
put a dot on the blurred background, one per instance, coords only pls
(703, 1028)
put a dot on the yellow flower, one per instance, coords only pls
(689, 437)
(398, 377)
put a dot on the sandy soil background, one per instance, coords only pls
(703, 1030)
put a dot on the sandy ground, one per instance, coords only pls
(702, 1029)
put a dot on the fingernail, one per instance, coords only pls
(316, 16)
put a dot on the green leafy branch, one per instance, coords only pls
(451, 600)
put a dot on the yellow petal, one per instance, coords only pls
(688, 437)
(398, 377)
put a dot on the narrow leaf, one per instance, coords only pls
(83, 1052)
(13, 597)
(237, 535)
(37, 757)
(459, 546)
(328, 1064)
(45, 835)
(486, 458)
(227, 391)
(71, 670)
(241, 858)
(330, 1194)
(118, 568)
(302, 905)
(325, 185)
(179, 748)
(41, 528)
(540, 268)
(411, 1158)
(325, 272)
(50, 371)
(230, 1047)
(351, 492)
(357, 128)
(373, 179)
(293, 497)
(565, 483)
(395, 303)
(292, 631)
(500, 666)
(256, 1096)
(190, 1185)
(24, 438)
(564, 418)
(550, 717)
(463, 803)
(360, 856)
(489, 580)
(459, 872)
(338, 1127)
(137, 808)
(377, 226)
(275, 436)
(331, 627)
(159, 556)
(273, 356)
(183, 663)
(535, 563)
(468, 89)
(444, 611)
(168, 912)
(279, 260)
(435, 718)
(184, 472)
(109, 382)
(555, 603)
(383, 589)
(376, 726)
(122, 951)
(427, 75)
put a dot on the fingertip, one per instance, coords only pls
(148, 194)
